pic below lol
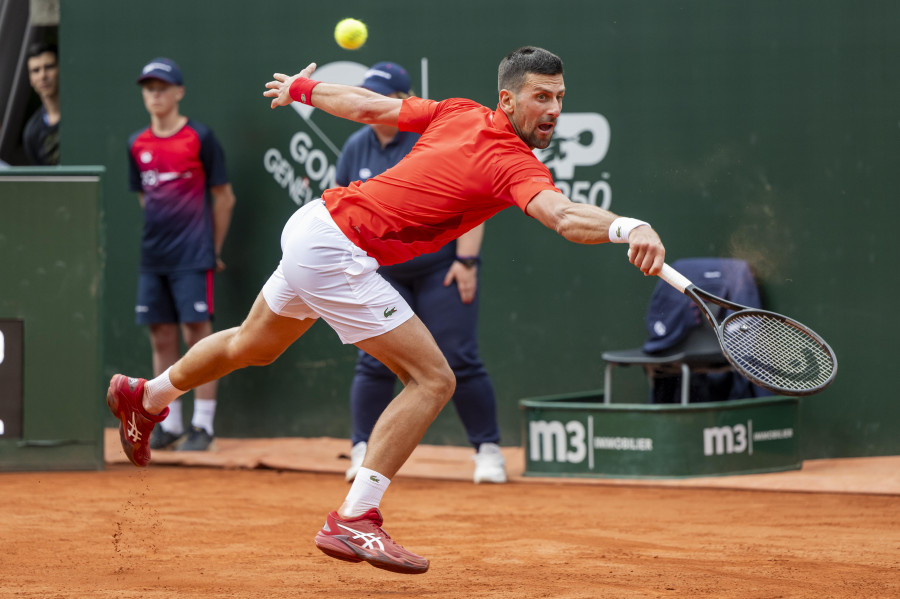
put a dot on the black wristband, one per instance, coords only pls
(469, 261)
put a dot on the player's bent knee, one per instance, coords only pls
(443, 384)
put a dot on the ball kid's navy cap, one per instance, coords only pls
(387, 78)
(163, 69)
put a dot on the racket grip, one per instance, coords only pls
(674, 278)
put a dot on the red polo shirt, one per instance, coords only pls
(468, 165)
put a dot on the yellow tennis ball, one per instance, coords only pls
(350, 34)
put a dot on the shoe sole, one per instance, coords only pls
(495, 476)
(113, 403)
(348, 552)
(111, 400)
(334, 548)
(493, 481)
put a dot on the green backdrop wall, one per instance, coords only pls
(764, 130)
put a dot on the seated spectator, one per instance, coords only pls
(41, 135)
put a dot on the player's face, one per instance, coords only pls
(161, 98)
(534, 110)
(43, 73)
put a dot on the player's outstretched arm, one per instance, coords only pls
(344, 101)
(583, 223)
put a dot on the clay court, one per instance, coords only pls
(240, 522)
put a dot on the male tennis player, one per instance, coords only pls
(470, 163)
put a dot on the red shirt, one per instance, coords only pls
(468, 165)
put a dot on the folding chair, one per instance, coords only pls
(681, 343)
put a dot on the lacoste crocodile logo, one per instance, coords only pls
(374, 479)
(389, 312)
(619, 231)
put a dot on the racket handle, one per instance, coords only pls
(674, 278)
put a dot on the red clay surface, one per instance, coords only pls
(176, 531)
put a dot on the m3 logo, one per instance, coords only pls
(576, 442)
(740, 438)
(555, 441)
(719, 440)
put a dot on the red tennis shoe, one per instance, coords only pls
(125, 400)
(362, 539)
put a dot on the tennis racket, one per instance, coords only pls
(771, 350)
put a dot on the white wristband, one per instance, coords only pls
(622, 227)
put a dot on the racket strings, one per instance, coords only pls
(777, 352)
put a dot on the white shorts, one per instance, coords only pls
(323, 274)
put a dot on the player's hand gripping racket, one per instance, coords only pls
(771, 350)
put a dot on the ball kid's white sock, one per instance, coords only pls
(204, 414)
(173, 423)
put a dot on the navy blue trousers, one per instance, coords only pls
(453, 325)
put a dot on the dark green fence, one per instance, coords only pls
(761, 130)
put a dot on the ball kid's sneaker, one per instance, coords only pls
(362, 539)
(490, 465)
(124, 398)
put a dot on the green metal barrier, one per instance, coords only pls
(50, 304)
(577, 435)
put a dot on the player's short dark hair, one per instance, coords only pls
(38, 48)
(518, 64)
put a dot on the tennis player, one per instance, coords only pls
(470, 163)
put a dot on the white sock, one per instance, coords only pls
(365, 493)
(204, 413)
(173, 422)
(160, 392)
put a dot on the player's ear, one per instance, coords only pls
(179, 93)
(507, 101)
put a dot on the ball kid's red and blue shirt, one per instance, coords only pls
(175, 174)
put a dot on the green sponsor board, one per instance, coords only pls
(577, 435)
(51, 291)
